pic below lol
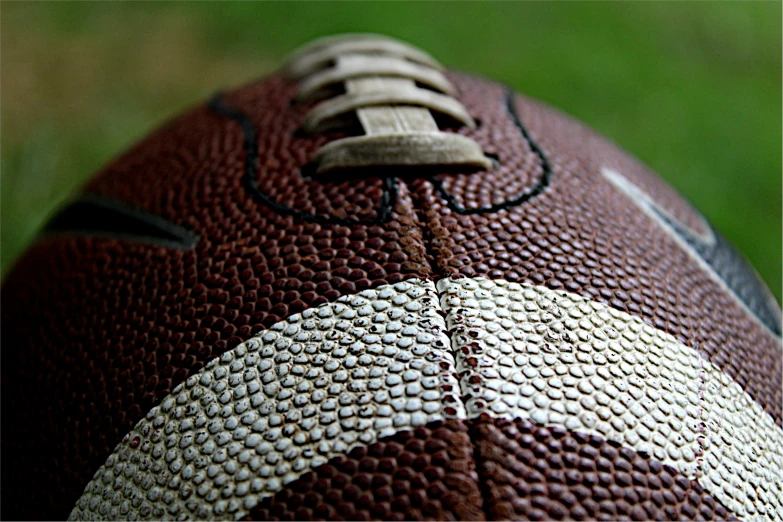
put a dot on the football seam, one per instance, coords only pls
(438, 273)
(524, 197)
(483, 485)
(250, 176)
(390, 183)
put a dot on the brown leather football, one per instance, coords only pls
(369, 288)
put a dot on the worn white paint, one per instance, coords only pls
(369, 365)
(557, 358)
(307, 389)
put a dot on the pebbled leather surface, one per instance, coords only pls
(526, 472)
(425, 474)
(96, 331)
(584, 236)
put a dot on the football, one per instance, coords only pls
(368, 287)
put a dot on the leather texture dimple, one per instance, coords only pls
(583, 236)
(103, 329)
(423, 474)
(97, 331)
(531, 472)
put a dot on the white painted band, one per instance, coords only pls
(307, 389)
(559, 359)
(370, 365)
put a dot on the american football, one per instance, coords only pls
(369, 287)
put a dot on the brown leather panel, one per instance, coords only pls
(97, 331)
(582, 235)
(525, 472)
(530, 472)
(517, 169)
(603, 151)
(426, 474)
(199, 160)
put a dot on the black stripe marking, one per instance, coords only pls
(94, 215)
(535, 190)
(722, 261)
(390, 182)
(250, 177)
(733, 269)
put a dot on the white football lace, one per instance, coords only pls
(380, 78)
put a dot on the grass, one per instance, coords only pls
(693, 89)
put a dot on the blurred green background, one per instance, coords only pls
(693, 89)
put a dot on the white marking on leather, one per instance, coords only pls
(556, 358)
(306, 389)
(369, 365)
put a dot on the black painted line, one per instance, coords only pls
(100, 216)
(250, 177)
(535, 190)
(732, 268)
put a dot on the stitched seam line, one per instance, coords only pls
(390, 183)
(439, 273)
(535, 190)
(387, 204)
(250, 176)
